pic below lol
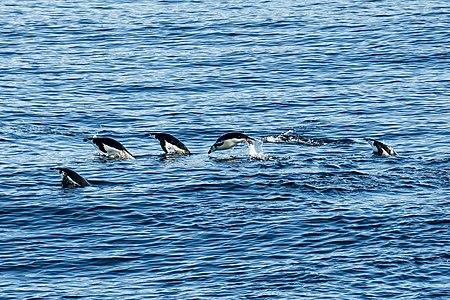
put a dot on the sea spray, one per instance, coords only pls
(256, 151)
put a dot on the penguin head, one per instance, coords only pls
(60, 170)
(370, 141)
(214, 147)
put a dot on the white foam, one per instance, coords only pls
(272, 139)
(256, 151)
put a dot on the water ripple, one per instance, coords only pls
(319, 216)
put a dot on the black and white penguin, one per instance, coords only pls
(170, 144)
(111, 147)
(380, 148)
(71, 179)
(229, 140)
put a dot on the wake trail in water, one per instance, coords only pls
(292, 137)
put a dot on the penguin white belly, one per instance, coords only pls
(374, 148)
(69, 182)
(388, 152)
(172, 148)
(116, 153)
(227, 144)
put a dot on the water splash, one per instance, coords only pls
(98, 131)
(256, 150)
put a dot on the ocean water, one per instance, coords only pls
(315, 215)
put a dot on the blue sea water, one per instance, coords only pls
(318, 217)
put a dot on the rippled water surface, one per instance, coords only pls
(315, 216)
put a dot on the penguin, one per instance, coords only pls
(229, 140)
(71, 179)
(111, 147)
(170, 144)
(380, 148)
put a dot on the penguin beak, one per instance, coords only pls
(56, 169)
(249, 141)
(213, 148)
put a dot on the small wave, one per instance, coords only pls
(292, 137)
